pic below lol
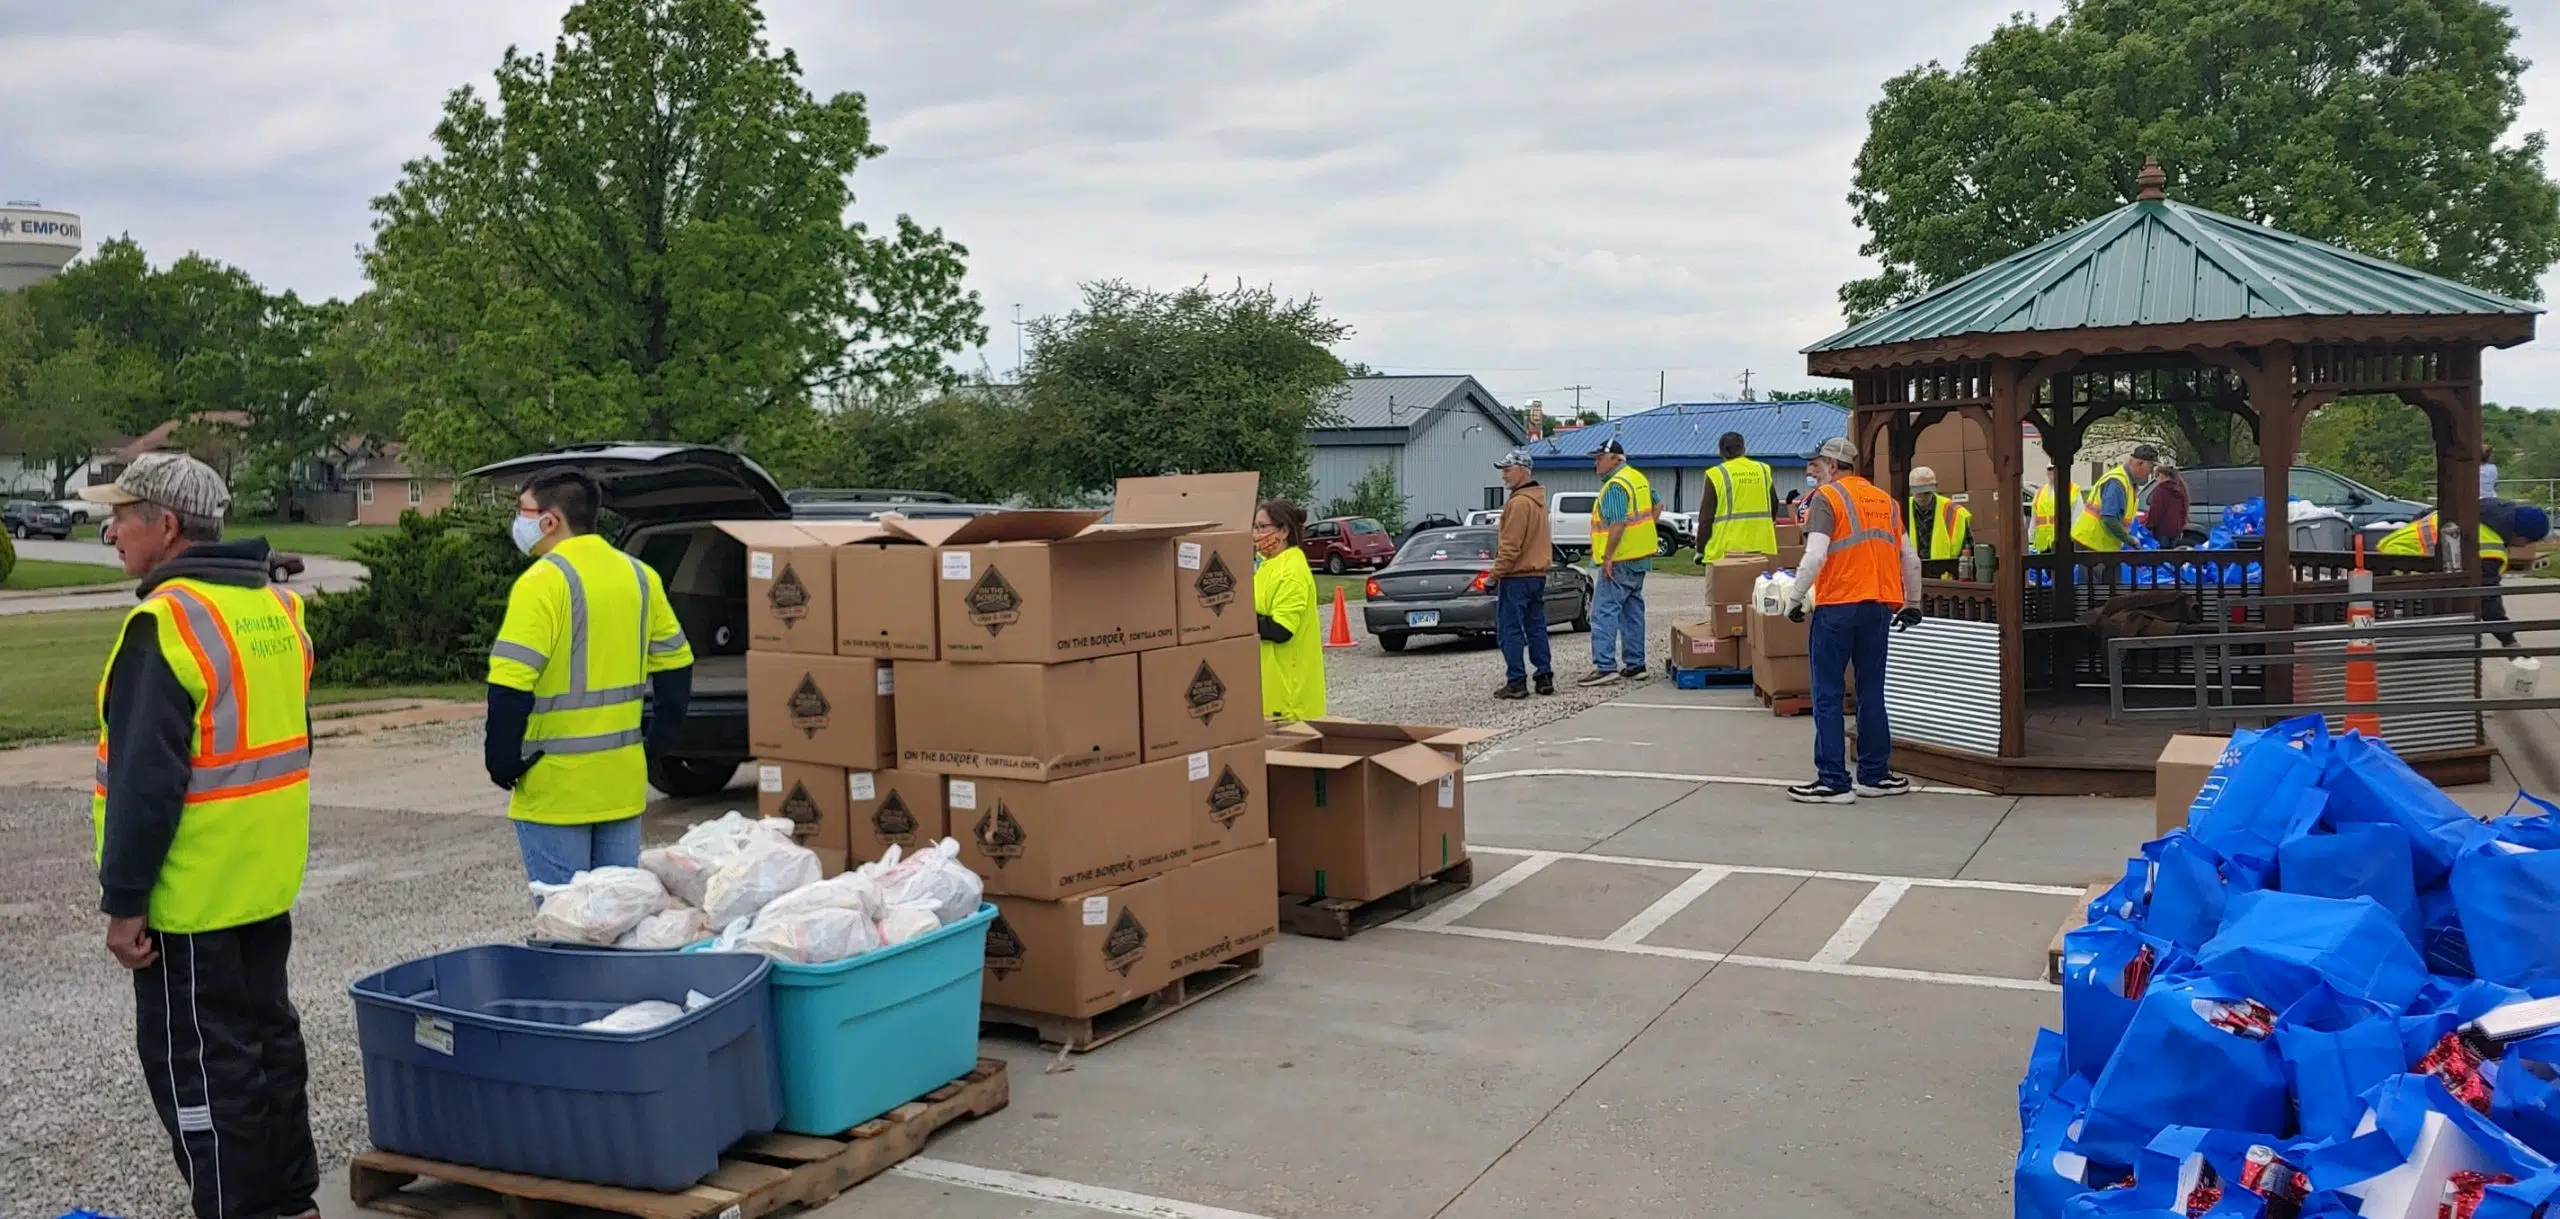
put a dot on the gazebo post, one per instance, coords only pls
(2009, 542)
(2279, 438)
(2458, 472)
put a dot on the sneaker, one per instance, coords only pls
(1546, 683)
(1513, 690)
(1636, 674)
(1819, 792)
(1599, 677)
(1890, 785)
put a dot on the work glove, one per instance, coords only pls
(1907, 619)
(510, 780)
(1795, 611)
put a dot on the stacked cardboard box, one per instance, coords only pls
(1362, 810)
(1777, 649)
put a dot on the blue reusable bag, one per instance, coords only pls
(2510, 908)
(2268, 790)
(2189, 887)
(2399, 1106)
(2368, 782)
(2162, 1176)
(2105, 968)
(2362, 859)
(2526, 1102)
(2335, 1050)
(2050, 1100)
(2284, 944)
(2199, 1052)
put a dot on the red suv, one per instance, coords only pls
(1338, 544)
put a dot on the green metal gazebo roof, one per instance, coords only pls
(2156, 262)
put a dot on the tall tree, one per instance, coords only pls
(67, 401)
(645, 238)
(1139, 382)
(1836, 395)
(2373, 124)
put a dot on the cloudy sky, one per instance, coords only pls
(1542, 193)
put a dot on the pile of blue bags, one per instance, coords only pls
(2316, 999)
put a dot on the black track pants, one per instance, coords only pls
(222, 1054)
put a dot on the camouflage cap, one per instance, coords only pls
(174, 481)
(1840, 449)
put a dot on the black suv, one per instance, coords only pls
(2212, 489)
(26, 519)
(665, 498)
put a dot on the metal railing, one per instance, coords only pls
(2226, 652)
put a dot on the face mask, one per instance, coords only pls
(527, 531)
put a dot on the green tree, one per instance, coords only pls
(2372, 124)
(644, 238)
(1836, 395)
(1139, 382)
(1373, 495)
(955, 442)
(67, 400)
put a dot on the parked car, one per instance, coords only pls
(2211, 489)
(1341, 543)
(1484, 516)
(283, 565)
(28, 519)
(1674, 530)
(80, 510)
(1437, 585)
(1569, 522)
(1431, 521)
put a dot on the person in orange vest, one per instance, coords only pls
(1861, 575)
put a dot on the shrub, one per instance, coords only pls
(434, 593)
(8, 557)
(1373, 495)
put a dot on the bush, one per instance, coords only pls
(434, 593)
(1373, 495)
(8, 557)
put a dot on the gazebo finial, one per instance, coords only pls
(2153, 180)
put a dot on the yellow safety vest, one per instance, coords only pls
(586, 625)
(1639, 541)
(2090, 531)
(1954, 528)
(2040, 531)
(2419, 537)
(245, 833)
(1284, 590)
(1746, 500)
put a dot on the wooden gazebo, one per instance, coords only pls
(2157, 303)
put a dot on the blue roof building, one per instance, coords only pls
(1675, 445)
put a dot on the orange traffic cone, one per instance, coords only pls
(1340, 635)
(2362, 687)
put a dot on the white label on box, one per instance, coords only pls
(1097, 911)
(861, 786)
(1448, 791)
(1200, 766)
(435, 1034)
(964, 793)
(759, 564)
(888, 681)
(955, 565)
(1187, 556)
(768, 778)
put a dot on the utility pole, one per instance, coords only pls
(1746, 386)
(1661, 384)
(1017, 341)
(1577, 398)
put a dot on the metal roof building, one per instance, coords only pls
(1439, 435)
(1675, 445)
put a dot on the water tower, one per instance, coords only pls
(34, 243)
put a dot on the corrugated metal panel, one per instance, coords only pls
(1942, 685)
(1448, 469)
(2406, 679)
(2156, 263)
(1685, 433)
(1336, 467)
(1421, 403)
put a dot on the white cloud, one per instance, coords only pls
(1546, 194)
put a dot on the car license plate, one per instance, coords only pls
(1422, 618)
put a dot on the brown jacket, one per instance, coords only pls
(1528, 540)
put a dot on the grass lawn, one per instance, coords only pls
(49, 688)
(46, 573)
(1354, 587)
(307, 539)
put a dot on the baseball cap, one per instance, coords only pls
(2144, 452)
(1840, 449)
(1923, 479)
(1611, 445)
(174, 481)
(1516, 457)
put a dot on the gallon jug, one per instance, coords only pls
(2523, 676)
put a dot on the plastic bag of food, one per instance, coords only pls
(855, 891)
(766, 868)
(904, 923)
(686, 867)
(668, 929)
(597, 906)
(646, 1014)
(934, 878)
(814, 936)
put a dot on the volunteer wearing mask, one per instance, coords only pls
(1284, 614)
(1940, 527)
(588, 633)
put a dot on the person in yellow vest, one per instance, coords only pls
(2040, 514)
(202, 819)
(1622, 546)
(2106, 523)
(1284, 614)
(1740, 503)
(2501, 521)
(1860, 577)
(1940, 527)
(588, 636)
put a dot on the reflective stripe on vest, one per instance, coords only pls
(1638, 539)
(579, 697)
(1952, 521)
(1746, 509)
(1864, 560)
(2419, 537)
(2090, 532)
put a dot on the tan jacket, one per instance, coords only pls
(1528, 545)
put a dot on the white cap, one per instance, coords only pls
(1923, 479)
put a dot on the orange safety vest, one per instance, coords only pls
(1864, 562)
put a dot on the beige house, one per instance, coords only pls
(385, 485)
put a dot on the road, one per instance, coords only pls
(320, 573)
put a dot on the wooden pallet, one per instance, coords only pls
(1332, 918)
(1785, 704)
(762, 1174)
(1077, 1034)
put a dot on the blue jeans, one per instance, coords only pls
(1850, 637)
(554, 853)
(1520, 624)
(1617, 621)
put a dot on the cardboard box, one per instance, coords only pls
(1229, 801)
(1775, 635)
(1199, 696)
(1782, 674)
(1346, 807)
(831, 709)
(1224, 907)
(1729, 593)
(791, 582)
(1213, 568)
(2179, 776)
(886, 600)
(1073, 836)
(1083, 955)
(1018, 721)
(1697, 645)
(893, 808)
(832, 861)
(1441, 829)
(812, 796)
(1045, 587)
(1790, 537)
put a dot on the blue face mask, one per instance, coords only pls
(527, 532)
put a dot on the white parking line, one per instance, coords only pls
(1861, 924)
(1651, 918)
(1732, 958)
(1470, 901)
(1692, 865)
(1568, 772)
(1754, 707)
(1051, 1189)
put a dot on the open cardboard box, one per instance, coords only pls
(1042, 587)
(1213, 566)
(1352, 803)
(791, 581)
